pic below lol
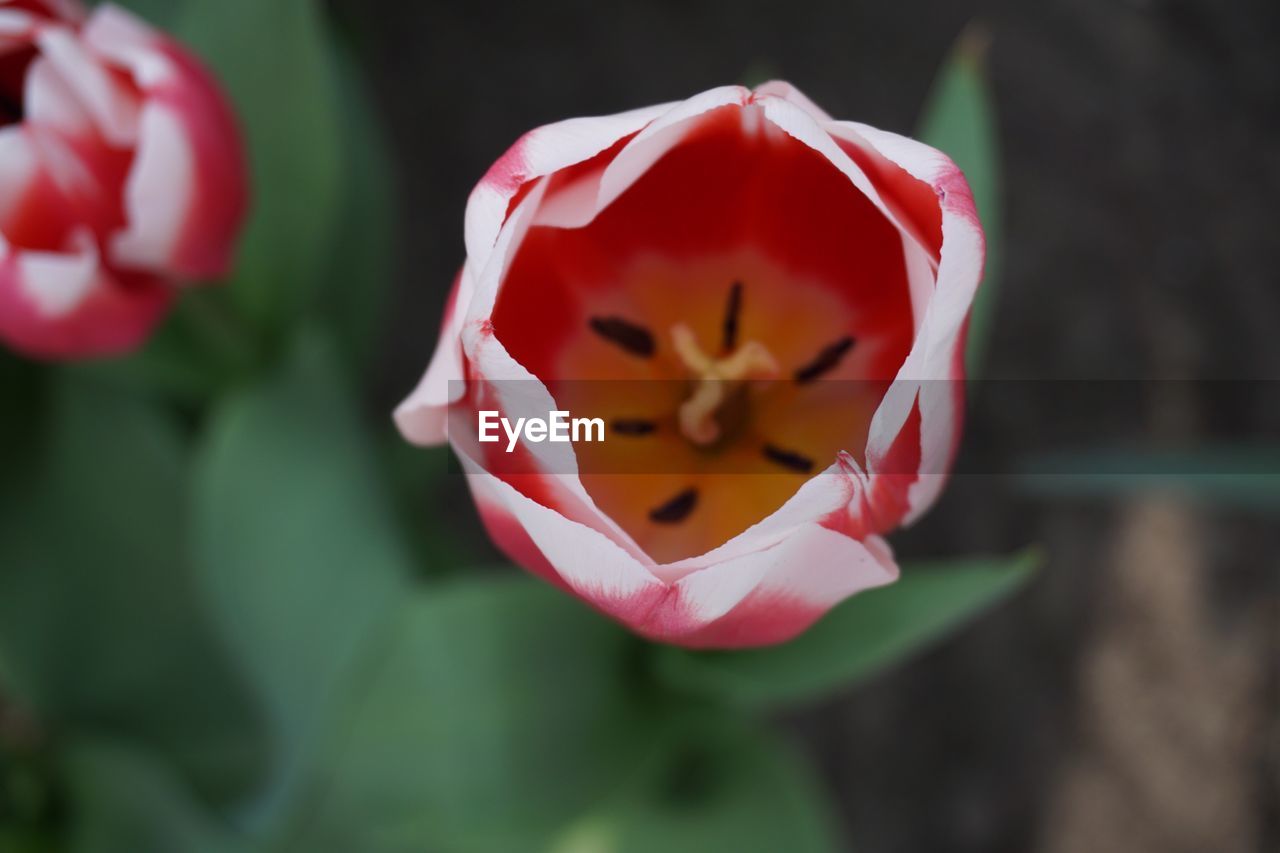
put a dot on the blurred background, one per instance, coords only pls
(1130, 698)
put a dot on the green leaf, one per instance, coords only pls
(126, 801)
(159, 13)
(100, 623)
(500, 709)
(200, 350)
(358, 274)
(858, 638)
(720, 788)
(276, 62)
(1243, 477)
(959, 120)
(419, 478)
(297, 546)
(23, 387)
(15, 839)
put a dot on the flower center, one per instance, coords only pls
(716, 380)
(724, 380)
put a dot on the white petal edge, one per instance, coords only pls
(115, 111)
(125, 39)
(159, 192)
(49, 101)
(929, 370)
(540, 152)
(19, 167)
(813, 565)
(59, 282)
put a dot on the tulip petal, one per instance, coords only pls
(57, 283)
(771, 596)
(56, 298)
(659, 137)
(159, 193)
(423, 416)
(19, 169)
(798, 123)
(755, 598)
(67, 11)
(834, 498)
(49, 101)
(186, 197)
(919, 257)
(20, 21)
(540, 152)
(65, 305)
(587, 198)
(787, 92)
(114, 109)
(935, 367)
(586, 560)
(551, 470)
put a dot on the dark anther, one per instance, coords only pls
(633, 426)
(826, 360)
(731, 312)
(636, 340)
(677, 509)
(797, 462)
(11, 110)
(15, 63)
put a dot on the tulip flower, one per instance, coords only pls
(121, 175)
(740, 238)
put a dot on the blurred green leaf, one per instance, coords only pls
(1242, 477)
(959, 120)
(17, 840)
(126, 801)
(199, 350)
(435, 509)
(500, 709)
(29, 801)
(277, 63)
(159, 13)
(298, 549)
(721, 788)
(101, 625)
(23, 388)
(358, 274)
(858, 638)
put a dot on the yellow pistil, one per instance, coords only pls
(717, 377)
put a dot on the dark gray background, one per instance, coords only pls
(1129, 700)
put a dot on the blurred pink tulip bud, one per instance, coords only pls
(122, 175)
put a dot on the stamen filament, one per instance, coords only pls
(716, 377)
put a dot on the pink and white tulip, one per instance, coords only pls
(122, 174)
(836, 260)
